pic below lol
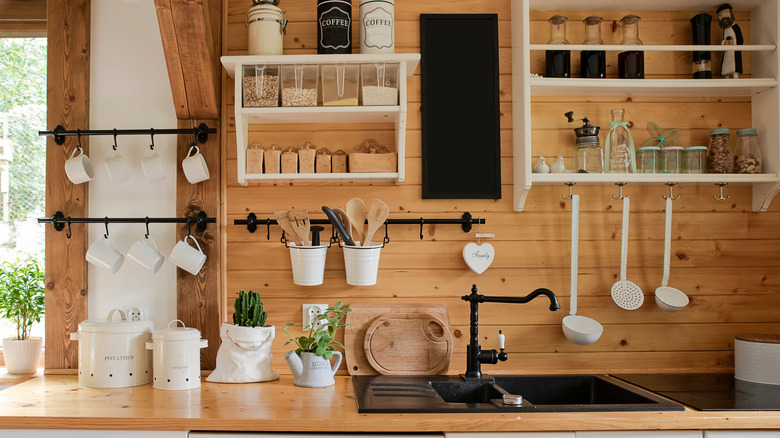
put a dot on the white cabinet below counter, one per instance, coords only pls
(74, 433)
(308, 435)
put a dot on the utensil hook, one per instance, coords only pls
(570, 184)
(189, 227)
(68, 233)
(151, 132)
(721, 198)
(78, 137)
(114, 146)
(386, 240)
(671, 188)
(105, 236)
(620, 188)
(146, 236)
(422, 221)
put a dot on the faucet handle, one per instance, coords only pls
(501, 339)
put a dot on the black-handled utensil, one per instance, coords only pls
(337, 225)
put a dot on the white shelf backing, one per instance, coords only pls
(762, 88)
(407, 64)
(656, 48)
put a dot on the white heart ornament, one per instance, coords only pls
(478, 257)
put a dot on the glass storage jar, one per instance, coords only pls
(631, 63)
(557, 62)
(379, 83)
(299, 85)
(593, 63)
(647, 159)
(720, 158)
(340, 84)
(695, 159)
(267, 25)
(260, 85)
(588, 157)
(671, 159)
(747, 156)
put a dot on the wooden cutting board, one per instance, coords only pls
(408, 344)
(363, 315)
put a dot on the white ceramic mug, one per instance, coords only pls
(104, 255)
(78, 168)
(145, 255)
(194, 166)
(154, 171)
(116, 167)
(186, 257)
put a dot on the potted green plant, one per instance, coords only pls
(245, 353)
(310, 362)
(22, 303)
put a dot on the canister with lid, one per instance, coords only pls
(647, 159)
(377, 26)
(747, 156)
(695, 159)
(334, 26)
(267, 25)
(671, 159)
(176, 356)
(720, 158)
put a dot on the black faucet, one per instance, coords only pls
(475, 357)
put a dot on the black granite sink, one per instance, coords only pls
(440, 394)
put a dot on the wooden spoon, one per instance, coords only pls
(377, 215)
(356, 210)
(299, 220)
(284, 221)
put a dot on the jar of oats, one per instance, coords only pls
(747, 157)
(720, 158)
(260, 85)
(299, 85)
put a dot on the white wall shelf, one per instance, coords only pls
(761, 88)
(321, 114)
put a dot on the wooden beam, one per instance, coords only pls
(68, 105)
(22, 18)
(187, 32)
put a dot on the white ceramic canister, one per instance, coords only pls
(267, 25)
(377, 26)
(177, 356)
(112, 352)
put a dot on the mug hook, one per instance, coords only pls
(422, 221)
(151, 132)
(78, 136)
(68, 234)
(189, 227)
(620, 195)
(114, 147)
(105, 236)
(147, 228)
(570, 184)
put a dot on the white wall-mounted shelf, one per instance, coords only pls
(761, 88)
(395, 114)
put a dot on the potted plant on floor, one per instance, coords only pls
(245, 353)
(310, 362)
(22, 303)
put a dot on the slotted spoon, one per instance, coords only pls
(625, 293)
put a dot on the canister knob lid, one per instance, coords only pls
(266, 2)
(176, 333)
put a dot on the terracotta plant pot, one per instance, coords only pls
(22, 356)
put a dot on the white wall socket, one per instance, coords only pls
(134, 313)
(310, 311)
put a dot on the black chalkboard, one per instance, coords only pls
(461, 145)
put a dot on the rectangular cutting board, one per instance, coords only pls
(364, 315)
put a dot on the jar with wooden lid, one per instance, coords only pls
(747, 156)
(720, 158)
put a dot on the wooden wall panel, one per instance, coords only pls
(725, 257)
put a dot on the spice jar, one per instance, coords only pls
(720, 158)
(671, 159)
(647, 159)
(695, 159)
(747, 157)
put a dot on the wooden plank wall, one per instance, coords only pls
(724, 256)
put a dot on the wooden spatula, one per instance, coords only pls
(356, 210)
(377, 215)
(344, 219)
(284, 221)
(299, 220)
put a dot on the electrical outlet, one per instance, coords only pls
(134, 313)
(310, 312)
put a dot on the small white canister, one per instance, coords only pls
(267, 26)
(112, 353)
(377, 26)
(176, 356)
(756, 358)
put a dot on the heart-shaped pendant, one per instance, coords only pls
(478, 257)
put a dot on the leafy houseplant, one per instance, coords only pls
(322, 332)
(249, 310)
(22, 302)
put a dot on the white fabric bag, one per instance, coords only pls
(245, 355)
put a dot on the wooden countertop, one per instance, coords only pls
(58, 402)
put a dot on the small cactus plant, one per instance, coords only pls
(249, 310)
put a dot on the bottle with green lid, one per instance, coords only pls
(695, 159)
(747, 156)
(720, 157)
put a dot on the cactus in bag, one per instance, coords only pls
(249, 310)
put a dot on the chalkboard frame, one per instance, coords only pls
(457, 151)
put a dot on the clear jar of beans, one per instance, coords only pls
(720, 157)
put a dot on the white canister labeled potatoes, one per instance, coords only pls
(176, 356)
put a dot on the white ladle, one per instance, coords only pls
(579, 329)
(667, 297)
(626, 294)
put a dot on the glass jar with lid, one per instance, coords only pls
(647, 159)
(631, 63)
(588, 157)
(720, 158)
(593, 63)
(671, 159)
(557, 62)
(747, 156)
(695, 159)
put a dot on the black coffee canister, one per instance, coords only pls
(334, 26)
(700, 34)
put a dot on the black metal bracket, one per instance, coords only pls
(59, 133)
(59, 221)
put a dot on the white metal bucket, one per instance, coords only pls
(362, 264)
(308, 264)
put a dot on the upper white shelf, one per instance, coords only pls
(649, 87)
(411, 60)
(549, 178)
(656, 48)
(637, 5)
(322, 114)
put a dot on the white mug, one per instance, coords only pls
(104, 255)
(153, 167)
(79, 167)
(116, 167)
(194, 166)
(187, 257)
(145, 255)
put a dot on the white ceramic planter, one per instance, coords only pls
(22, 356)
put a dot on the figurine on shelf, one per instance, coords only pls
(541, 166)
(731, 66)
(558, 166)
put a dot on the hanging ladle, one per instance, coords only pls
(667, 297)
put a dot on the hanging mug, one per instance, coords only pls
(116, 167)
(78, 168)
(152, 164)
(145, 255)
(104, 255)
(187, 257)
(194, 166)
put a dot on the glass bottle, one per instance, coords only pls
(619, 153)
(720, 158)
(593, 63)
(747, 157)
(558, 62)
(631, 63)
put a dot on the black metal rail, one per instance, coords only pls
(60, 221)
(59, 133)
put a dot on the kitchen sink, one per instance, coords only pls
(559, 393)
